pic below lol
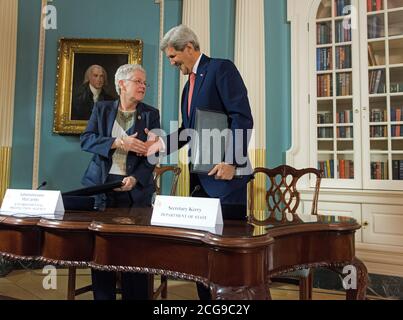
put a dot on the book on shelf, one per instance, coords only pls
(344, 84)
(396, 114)
(378, 132)
(327, 166)
(376, 81)
(344, 132)
(378, 5)
(345, 116)
(343, 57)
(397, 131)
(379, 170)
(342, 34)
(324, 85)
(374, 5)
(376, 28)
(323, 59)
(396, 87)
(340, 7)
(378, 115)
(325, 117)
(397, 169)
(341, 169)
(325, 133)
(350, 169)
(346, 169)
(371, 56)
(323, 33)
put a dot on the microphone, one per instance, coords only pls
(196, 188)
(44, 183)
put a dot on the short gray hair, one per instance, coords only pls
(124, 72)
(89, 70)
(178, 37)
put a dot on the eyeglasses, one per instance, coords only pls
(139, 82)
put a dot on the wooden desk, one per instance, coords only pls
(236, 264)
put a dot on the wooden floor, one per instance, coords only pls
(28, 285)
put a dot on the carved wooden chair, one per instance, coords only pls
(72, 292)
(282, 200)
(158, 173)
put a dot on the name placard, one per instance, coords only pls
(188, 212)
(32, 203)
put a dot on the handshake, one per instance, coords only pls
(131, 143)
(221, 171)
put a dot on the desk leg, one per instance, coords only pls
(261, 292)
(362, 282)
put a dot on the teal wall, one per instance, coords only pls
(62, 163)
(222, 28)
(25, 93)
(278, 82)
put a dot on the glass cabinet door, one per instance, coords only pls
(335, 102)
(383, 91)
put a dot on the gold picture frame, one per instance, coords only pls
(75, 57)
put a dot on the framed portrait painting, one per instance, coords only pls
(85, 74)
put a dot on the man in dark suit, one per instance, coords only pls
(91, 91)
(116, 137)
(218, 85)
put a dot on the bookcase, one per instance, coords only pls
(347, 117)
(333, 96)
(384, 91)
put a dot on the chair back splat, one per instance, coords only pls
(282, 198)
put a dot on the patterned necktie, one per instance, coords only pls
(192, 78)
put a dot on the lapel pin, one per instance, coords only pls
(139, 117)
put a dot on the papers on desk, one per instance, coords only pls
(32, 203)
(188, 212)
(218, 229)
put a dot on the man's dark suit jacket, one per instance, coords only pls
(83, 102)
(97, 139)
(219, 86)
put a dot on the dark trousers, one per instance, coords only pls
(134, 285)
(230, 211)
